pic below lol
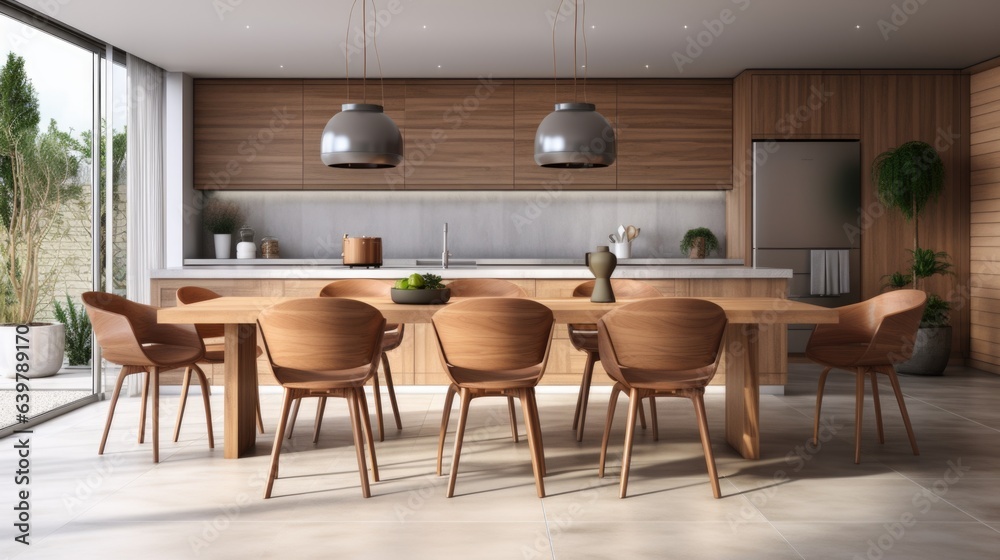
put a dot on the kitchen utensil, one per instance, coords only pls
(631, 232)
(362, 251)
(611, 236)
(621, 233)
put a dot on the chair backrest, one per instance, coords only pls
(187, 295)
(494, 333)
(357, 287)
(122, 327)
(485, 287)
(321, 334)
(663, 334)
(888, 323)
(622, 287)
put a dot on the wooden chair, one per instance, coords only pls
(870, 337)
(494, 347)
(390, 341)
(584, 337)
(324, 347)
(667, 347)
(130, 336)
(215, 350)
(485, 287)
(488, 287)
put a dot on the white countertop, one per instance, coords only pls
(288, 271)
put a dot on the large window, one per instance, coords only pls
(59, 106)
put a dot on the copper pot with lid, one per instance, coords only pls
(362, 251)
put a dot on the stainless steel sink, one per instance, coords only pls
(452, 263)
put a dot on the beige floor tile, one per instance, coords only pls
(903, 539)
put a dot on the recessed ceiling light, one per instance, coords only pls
(857, 27)
(647, 66)
(593, 27)
(425, 27)
(281, 66)
(583, 66)
(248, 27)
(439, 65)
(685, 27)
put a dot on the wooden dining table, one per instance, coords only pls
(747, 316)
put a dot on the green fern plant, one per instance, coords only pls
(711, 242)
(78, 332)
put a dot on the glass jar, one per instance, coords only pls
(246, 233)
(269, 248)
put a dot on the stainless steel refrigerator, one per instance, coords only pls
(806, 204)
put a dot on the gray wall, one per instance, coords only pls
(494, 224)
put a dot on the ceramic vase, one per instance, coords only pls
(602, 263)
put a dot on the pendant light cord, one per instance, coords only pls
(347, 51)
(576, 13)
(586, 65)
(364, 51)
(381, 78)
(555, 79)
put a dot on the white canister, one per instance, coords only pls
(246, 250)
(622, 250)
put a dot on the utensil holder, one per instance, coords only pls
(622, 250)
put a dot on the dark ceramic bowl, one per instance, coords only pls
(421, 296)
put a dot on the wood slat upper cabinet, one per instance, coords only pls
(533, 101)
(321, 100)
(247, 134)
(459, 134)
(675, 135)
(806, 106)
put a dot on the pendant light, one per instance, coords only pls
(575, 135)
(361, 136)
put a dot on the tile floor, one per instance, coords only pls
(799, 501)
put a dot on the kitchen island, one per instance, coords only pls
(416, 361)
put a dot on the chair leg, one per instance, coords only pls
(642, 415)
(894, 380)
(377, 392)
(706, 442)
(154, 372)
(392, 391)
(534, 442)
(183, 402)
(359, 441)
(286, 405)
(607, 427)
(513, 418)
(203, 381)
(366, 425)
(260, 418)
(145, 400)
(125, 372)
(463, 417)
(318, 423)
(580, 416)
(653, 423)
(859, 408)
(538, 430)
(295, 414)
(449, 397)
(878, 407)
(634, 400)
(819, 404)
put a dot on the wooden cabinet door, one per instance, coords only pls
(321, 100)
(533, 101)
(247, 134)
(675, 134)
(806, 106)
(459, 134)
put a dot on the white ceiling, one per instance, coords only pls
(513, 38)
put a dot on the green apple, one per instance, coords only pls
(416, 281)
(402, 284)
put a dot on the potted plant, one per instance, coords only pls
(906, 179)
(699, 242)
(78, 331)
(221, 218)
(38, 173)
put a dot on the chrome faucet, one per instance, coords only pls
(445, 254)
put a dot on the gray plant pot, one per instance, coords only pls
(930, 352)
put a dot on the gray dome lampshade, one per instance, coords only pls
(361, 136)
(575, 135)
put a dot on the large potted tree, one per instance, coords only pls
(907, 178)
(38, 173)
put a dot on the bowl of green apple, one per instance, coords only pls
(420, 289)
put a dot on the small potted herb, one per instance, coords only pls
(221, 218)
(699, 242)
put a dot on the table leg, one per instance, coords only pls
(240, 402)
(742, 390)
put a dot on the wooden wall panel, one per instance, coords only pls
(533, 101)
(247, 134)
(321, 100)
(898, 108)
(675, 134)
(459, 134)
(739, 236)
(984, 304)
